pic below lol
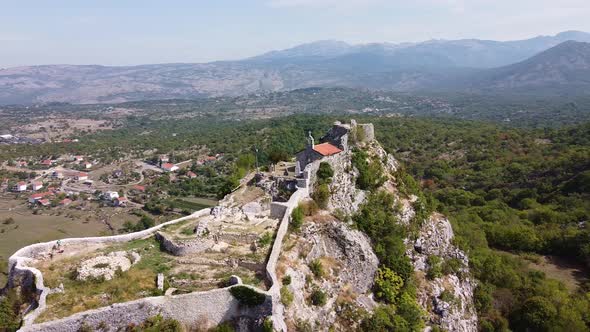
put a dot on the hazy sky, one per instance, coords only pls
(122, 32)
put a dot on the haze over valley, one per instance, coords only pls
(546, 65)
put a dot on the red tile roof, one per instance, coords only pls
(167, 165)
(326, 149)
(44, 202)
(65, 201)
(138, 187)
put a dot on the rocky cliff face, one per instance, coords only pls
(446, 297)
(450, 294)
(348, 264)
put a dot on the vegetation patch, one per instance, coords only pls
(247, 296)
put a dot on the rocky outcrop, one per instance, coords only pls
(349, 247)
(450, 296)
(349, 265)
(344, 194)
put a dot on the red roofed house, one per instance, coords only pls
(314, 152)
(35, 197)
(139, 187)
(20, 186)
(326, 149)
(82, 176)
(191, 174)
(46, 162)
(65, 202)
(121, 201)
(36, 185)
(334, 142)
(168, 167)
(44, 202)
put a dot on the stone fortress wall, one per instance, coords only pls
(214, 306)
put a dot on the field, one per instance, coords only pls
(570, 273)
(19, 227)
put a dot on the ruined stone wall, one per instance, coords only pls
(183, 247)
(20, 271)
(195, 309)
(271, 266)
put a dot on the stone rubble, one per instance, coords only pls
(105, 266)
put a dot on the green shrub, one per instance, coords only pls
(318, 297)
(317, 268)
(387, 285)
(325, 173)
(370, 172)
(157, 324)
(321, 195)
(296, 219)
(287, 280)
(267, 326)
(452, 266)
(9, 319)
(265, 240)
(447, 296)
(247, 296)
(434, 267)
(223, 327)
(286, 296)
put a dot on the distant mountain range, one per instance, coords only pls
(542, 65)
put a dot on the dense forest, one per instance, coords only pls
(514, 195)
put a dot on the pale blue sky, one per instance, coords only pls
(123, 32)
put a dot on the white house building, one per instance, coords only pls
(20, 186)
(168, 167)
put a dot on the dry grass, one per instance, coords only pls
(137, 282)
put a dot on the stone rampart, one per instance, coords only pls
(20, 271)
(192, 310)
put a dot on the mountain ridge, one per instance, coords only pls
(430, 66)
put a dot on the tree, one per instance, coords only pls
(537, 314)
(387, 285)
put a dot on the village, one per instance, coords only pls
(79, 195)
(61, 181)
